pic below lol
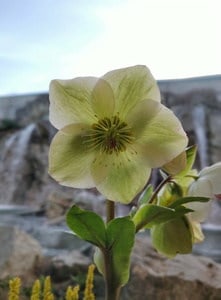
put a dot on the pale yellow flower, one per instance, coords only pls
(112, 131)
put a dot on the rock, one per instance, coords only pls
(154, 277)
(20, 111)
(62, 266)
(55, 239)
(73, 261)
(19, 252)
(186, 85)
(58, 202)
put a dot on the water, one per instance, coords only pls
(16, 146)
(14, 164)
(200, 125)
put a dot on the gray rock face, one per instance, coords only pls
(185, 277)
(19, 252)
(20, 111)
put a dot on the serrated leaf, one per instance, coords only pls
(185, 200)
(120, 241)
(87, 225)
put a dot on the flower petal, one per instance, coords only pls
(120, 177)
(200, 187)
(213, 175)
(162, 137)
(103, 99)
(70, 101)
(201, 210)
(195, 228)
(70, 159)
(141, 114)
(131, 85)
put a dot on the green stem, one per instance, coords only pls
(112, 292)
(152, 200)
(110, 210)
(159, 187)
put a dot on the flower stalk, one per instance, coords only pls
(110, 210)
(112, 292)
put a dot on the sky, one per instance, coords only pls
(41, 40)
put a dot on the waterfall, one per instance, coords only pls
(14, 163)
(17, 145)
(200, 125)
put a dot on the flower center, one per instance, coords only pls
(110, 135)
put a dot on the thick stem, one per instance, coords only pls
(112, 292)
(110, 210)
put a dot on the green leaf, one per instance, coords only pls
(190, 159)
(185, 200)
(120, 241)
(145, 196)
(173, 237)
(150, 215)
(87, 225)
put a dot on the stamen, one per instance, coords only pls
(109, 135)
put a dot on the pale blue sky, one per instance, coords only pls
(46, 39)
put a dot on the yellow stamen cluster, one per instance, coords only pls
(14, 288)
(36, 290)
(88, 292)
(47, 293)
(72, 293)
(109, 135)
